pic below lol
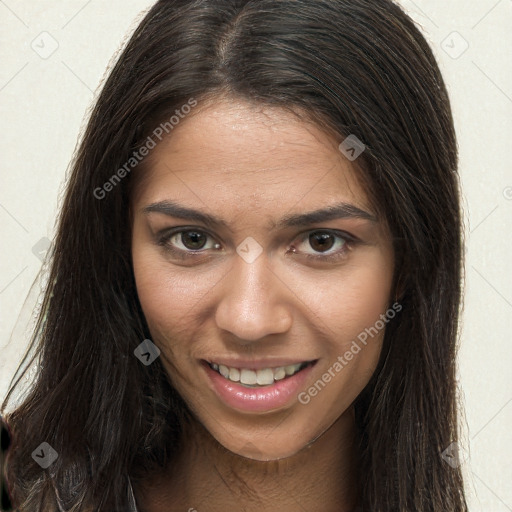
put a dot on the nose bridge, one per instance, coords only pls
(252, 306)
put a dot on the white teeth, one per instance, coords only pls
(263, 377)
(234, 374)
(290, 370)
(279, 373)
(248, 377)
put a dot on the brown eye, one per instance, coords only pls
(193, 240)
(183, 243)
(321, 241)
(326, 245)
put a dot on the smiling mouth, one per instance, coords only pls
(258, 378)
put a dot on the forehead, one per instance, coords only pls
(239, 156)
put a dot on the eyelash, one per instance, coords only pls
(349, 242)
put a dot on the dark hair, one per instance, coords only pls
(356, 67)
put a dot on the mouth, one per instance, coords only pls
(258, 387)
(258, 378)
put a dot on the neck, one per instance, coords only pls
(207, 477)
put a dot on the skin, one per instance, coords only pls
(251, 166)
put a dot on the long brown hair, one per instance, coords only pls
(356, 67)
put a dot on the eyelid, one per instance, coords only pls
(349, 242)
(338, 232)
(163, 237)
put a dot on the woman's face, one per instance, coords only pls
(236, 274)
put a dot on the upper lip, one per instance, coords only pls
(252, 364)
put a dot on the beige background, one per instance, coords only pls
(43, 100)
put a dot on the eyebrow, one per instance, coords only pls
(337, 211)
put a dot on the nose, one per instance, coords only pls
(254, 302)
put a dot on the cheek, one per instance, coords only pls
(166, 298)
(352, 312)
(166, 291)
(167, 309)
(349, 301)
(168, 303)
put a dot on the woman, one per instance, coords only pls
(255, 286)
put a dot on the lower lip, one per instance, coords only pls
(267, 398)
